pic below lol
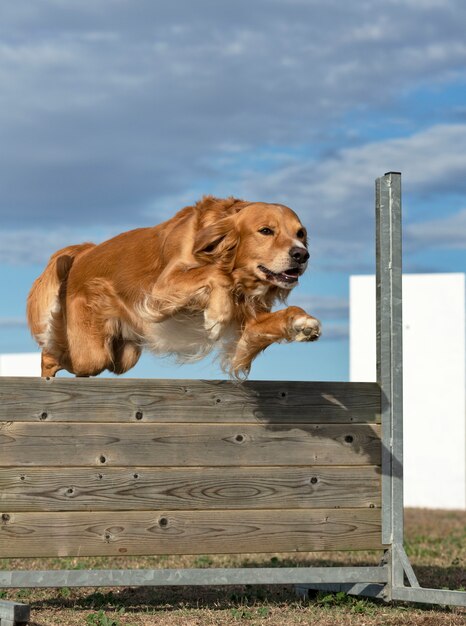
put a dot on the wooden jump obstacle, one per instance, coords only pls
(92, 467)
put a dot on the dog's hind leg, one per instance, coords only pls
(95, 315)
(125, 355)
(89, 345)
(49, 365)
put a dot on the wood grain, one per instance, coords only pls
(187, 532)
(130, 400)
(119, 489)
(112, 467)
(80, 445)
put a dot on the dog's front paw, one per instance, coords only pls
(305, 328)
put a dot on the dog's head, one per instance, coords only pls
(260, 243)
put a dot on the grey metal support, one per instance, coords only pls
(213, 576)
(390, 359)
(430, 596)
(399, 553)
(390, 379)
(13, 613)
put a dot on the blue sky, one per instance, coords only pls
(115, 115)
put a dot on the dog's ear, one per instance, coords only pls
(217, 241)
(222, 207)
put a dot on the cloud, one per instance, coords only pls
(335, 196)
(325, 307)
(431, 160)
(34, 246)
(448, 232)
(335, 332)
(12, 322)
(105, 113)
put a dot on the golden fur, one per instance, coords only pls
(206, 278)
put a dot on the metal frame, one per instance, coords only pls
(390, 379)
(385, 581)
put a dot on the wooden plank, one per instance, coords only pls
(118, 489)
(80, 445)
(129, 400)
(187, 532)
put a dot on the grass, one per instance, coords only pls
(436, 544)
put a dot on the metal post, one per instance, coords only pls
(13, 613)
(390, 359)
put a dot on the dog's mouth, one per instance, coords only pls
(288, 277)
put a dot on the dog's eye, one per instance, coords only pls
(300, 234)
(266, 231)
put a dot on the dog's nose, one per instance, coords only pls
(298, 254)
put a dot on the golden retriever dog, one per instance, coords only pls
(206, 278)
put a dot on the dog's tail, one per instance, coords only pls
(46, 300)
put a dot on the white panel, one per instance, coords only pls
(26, 364)
(433, 380)
(363, 348)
